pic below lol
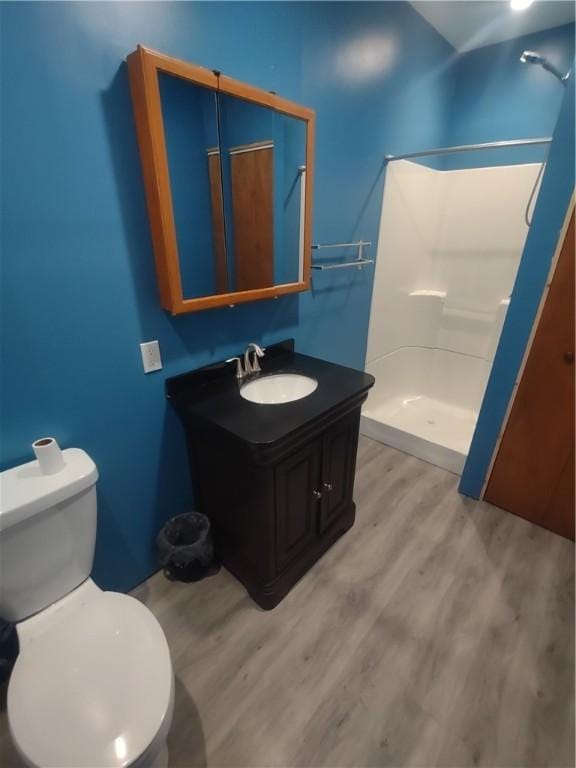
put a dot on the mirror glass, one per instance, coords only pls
(263, 156)
(191, 132)
(291, 180)
(237, 176)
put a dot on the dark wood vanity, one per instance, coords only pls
(276, 481)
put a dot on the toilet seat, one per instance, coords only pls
(94, 689)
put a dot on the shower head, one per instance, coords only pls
(530, 57)
(533, 57)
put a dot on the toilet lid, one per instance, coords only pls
(93, 690)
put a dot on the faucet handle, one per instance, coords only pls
(239, 372)
(254, 366)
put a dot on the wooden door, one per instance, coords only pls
(533, 475)
(251, 170)
(297, 481)
(339, 446)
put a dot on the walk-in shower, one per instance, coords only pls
(449, 248)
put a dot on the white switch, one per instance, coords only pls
(151, 359)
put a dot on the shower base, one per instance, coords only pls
(429, 429)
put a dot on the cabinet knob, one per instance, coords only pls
(327, 487)
(317, 494)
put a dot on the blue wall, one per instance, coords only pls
(496, 97)
(549, 214)
(78, 285)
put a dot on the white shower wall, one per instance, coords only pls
(449, 248)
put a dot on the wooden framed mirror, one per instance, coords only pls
(228, 173)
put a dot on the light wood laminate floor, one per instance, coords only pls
(438, 632)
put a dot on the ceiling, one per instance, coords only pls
(468, 24)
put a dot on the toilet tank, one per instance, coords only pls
(47, 533)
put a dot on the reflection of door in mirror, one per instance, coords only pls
(191, 132)
(251, 178)
(246, 136)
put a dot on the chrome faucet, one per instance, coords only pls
(253, 367)
(239, 370)
(249, 367)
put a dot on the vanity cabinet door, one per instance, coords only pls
(296, 489)
(339, 444)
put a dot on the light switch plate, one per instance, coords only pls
(151, 360)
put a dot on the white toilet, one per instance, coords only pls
(93, 685)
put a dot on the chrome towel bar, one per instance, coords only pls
(469, 148)
(357, 244)
(359, 262)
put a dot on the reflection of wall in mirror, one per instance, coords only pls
(189, 113)
(290, 155)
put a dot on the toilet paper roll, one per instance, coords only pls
(49, 455)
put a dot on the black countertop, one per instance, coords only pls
(212, 395)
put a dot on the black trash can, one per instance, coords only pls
(185, 548)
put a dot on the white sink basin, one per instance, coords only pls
(278, 388)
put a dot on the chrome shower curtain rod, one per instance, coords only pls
(469, 148)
